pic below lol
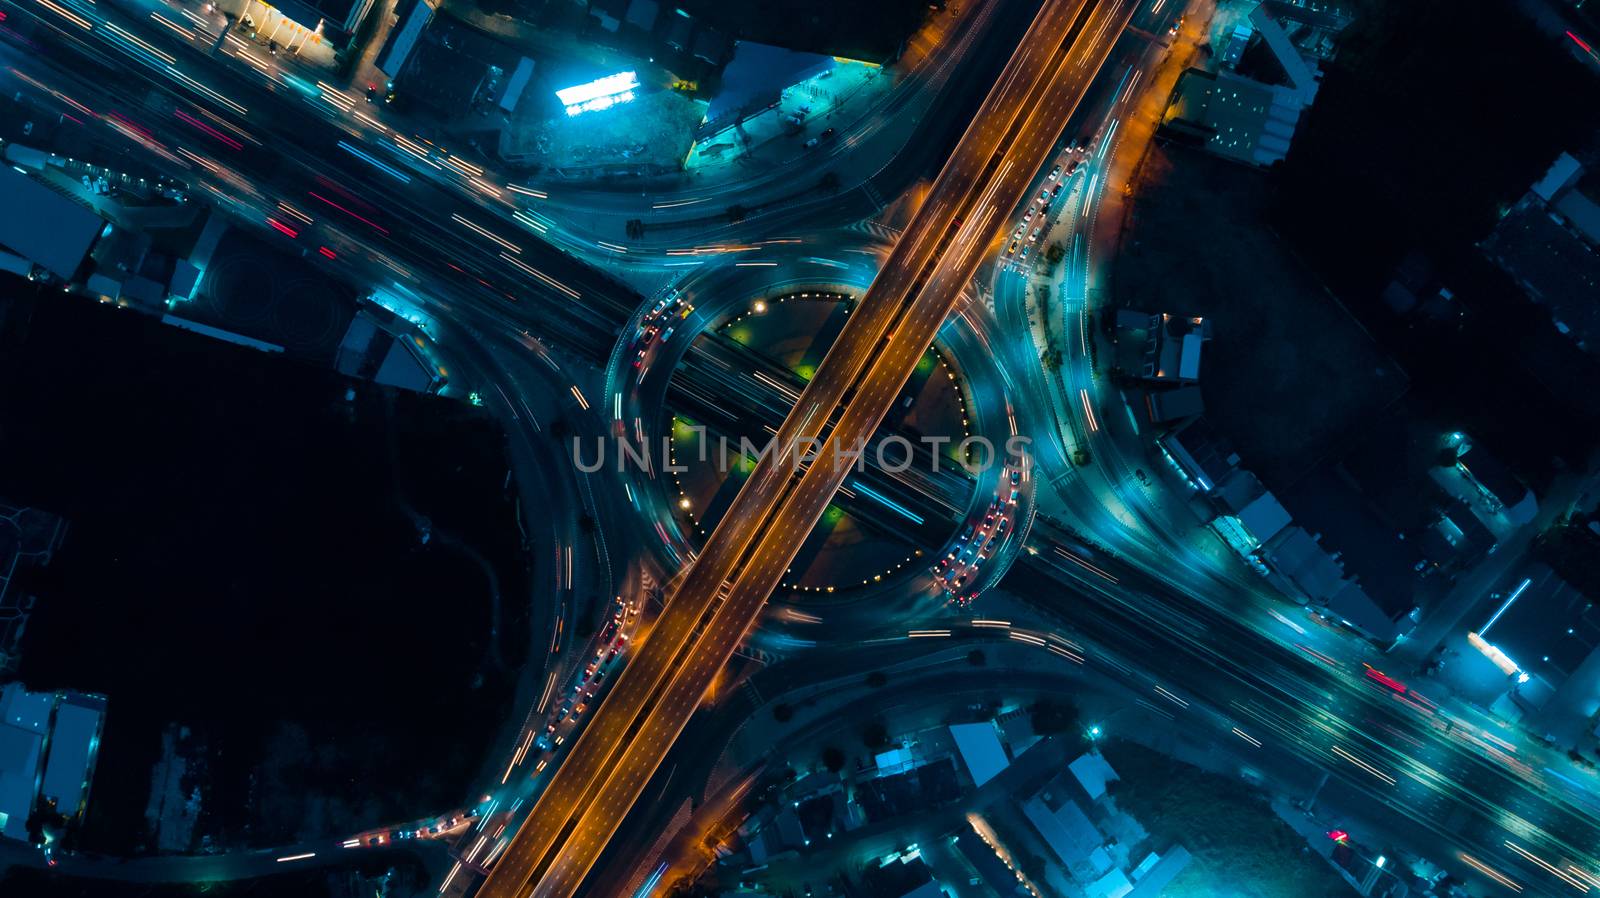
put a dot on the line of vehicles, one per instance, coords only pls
(1034, 217)
(658, 325)
(442, 827)
(958, 571)
(609, 647)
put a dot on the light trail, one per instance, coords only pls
(483, 232)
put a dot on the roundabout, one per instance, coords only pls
(706, 371)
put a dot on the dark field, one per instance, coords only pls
(244, 560)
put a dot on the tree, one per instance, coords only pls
(1573, 551)
(1051, 358)
(1052, 718)
(1055, 253)
(833, 759)
(875, 735)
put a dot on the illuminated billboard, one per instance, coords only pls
(601, 93)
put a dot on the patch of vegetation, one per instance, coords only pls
(1240, 847)
(1052, 717)
(1573, 551)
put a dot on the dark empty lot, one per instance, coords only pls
(1288, 370)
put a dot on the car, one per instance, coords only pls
(813, 142)
(375, 840)
(988, 519)
(1002, 527)
(1044, 197)
(1024, 253)
(1027, 216)
(1014, 494)
(1016, 476)
(611, 656)
(542, 743)
(609, 630)
(582, 707)
(1056, 190)
(550, 728)
(1034, 236)
(1012, 248)
(666, 335)
(638, 360)
(1055, 173)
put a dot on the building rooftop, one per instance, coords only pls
(26, 710)
(980, 748)
(1064, 827)
(43, 226)
(1093, 772)
(756, 77)
(1550, 628)
(19, 771)
(1552, 263)
(1000, 879)
(1562, 173)
(1150, 883)
(1204, 455)
(1370, 549)
(1296, 555)
(73, 746)
(1166, 406)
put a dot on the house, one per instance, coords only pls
(1199, 454)
(1248, 117)
(1548, 244)
(1093, 773)
(43, 226)
(48, 745)
(980, 749)
(1167, 406)
(1161, 347)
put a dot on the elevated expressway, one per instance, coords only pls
(713, 605)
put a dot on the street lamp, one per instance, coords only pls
(1094, 731)
(759, 307)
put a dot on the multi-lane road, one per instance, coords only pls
(488, 288)
(712, 607)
